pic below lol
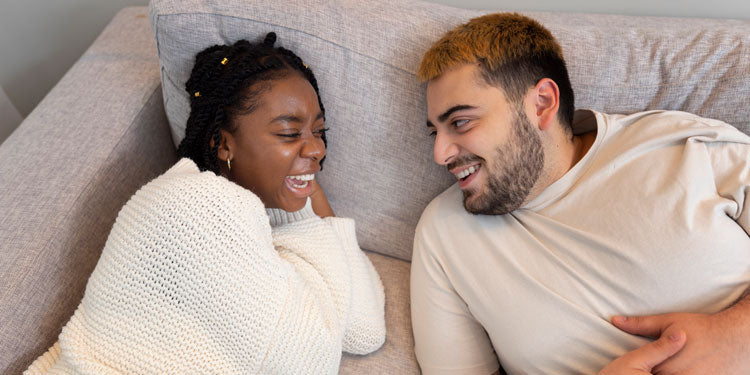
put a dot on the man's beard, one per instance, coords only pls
(520, 161)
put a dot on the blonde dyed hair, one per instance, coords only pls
(513, 52)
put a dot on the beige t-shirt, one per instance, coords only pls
(653, 219)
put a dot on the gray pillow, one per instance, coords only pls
(365, 53)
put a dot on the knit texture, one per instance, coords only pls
(193, 279)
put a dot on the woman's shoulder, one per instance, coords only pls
(185, 190)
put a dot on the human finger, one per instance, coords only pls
(646, 325)
(654, 353)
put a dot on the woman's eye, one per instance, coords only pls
(321, 132)
(289, 135)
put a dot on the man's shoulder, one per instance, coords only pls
(447, 203)
(676, 123)
(446, 214)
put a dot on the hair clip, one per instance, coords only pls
(197, 94)
(224, 61)
(306, 67)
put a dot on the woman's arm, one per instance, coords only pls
(365, 331)
(326, 254)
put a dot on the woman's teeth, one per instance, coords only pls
(467, 172)
(301, 181)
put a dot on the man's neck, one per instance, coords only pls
(582, 144)
(560, 157)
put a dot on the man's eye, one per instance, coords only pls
(433, 133)
(459, 123)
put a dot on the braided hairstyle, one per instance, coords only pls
(228, 81)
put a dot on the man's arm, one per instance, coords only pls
(643, 360)
(716, 343)
(448, 340)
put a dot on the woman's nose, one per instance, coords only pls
(314, 148)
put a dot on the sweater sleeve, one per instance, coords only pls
(190, 282)
(365, 331)
(326, 255)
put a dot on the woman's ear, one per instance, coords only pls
(226, 146)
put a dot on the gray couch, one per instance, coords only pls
(105, 130)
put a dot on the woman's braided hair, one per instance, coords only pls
(227, 81)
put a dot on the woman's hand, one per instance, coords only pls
(642, 360)
(320, 204)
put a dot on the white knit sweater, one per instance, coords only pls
(194, 280)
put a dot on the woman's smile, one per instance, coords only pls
(300, 185)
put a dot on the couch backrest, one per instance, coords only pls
(365, 53)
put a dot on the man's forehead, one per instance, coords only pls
(459, 86)
(463, 73)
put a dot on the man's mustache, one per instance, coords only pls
(463, 160)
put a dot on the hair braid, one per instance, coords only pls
(219, 90)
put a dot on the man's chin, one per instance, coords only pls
(477, 204)
(472, 202)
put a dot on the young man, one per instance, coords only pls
(559, 222)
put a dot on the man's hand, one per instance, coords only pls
(642, 360)
(716, 344)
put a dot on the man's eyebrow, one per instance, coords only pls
(460, 107)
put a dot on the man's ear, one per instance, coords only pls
(546, 100)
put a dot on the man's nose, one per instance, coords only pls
(445, 149)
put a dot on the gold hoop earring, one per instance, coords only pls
(229, 165)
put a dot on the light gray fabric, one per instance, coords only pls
(396, 356)
(66, 171)
(365, 53)
(101, 132)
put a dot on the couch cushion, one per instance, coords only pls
(85, 149)
(397, 354)
(365, 53)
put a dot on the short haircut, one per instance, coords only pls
(513, 51)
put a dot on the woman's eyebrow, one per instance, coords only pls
(293, 118)
(287, 118)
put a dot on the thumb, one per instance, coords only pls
(652, 354)
(647, 325)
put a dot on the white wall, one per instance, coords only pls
(41, 39)
(667, 8)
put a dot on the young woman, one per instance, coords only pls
(232, 261)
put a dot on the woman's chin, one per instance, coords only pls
(294, 206)
(292, 202)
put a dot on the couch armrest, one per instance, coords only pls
(91, 143)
